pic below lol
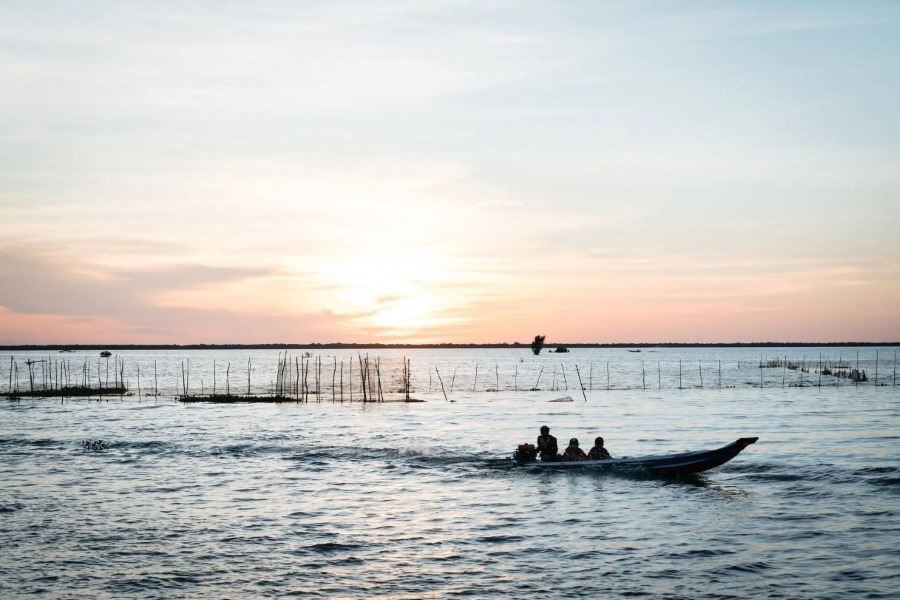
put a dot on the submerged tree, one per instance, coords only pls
(537, 344)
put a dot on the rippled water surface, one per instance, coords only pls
(417, 500)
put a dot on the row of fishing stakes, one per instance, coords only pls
(59, 377)
(299, 377)
(362, 378)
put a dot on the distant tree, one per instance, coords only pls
(537, 344)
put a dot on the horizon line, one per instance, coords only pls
(354, 345)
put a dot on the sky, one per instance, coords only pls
(449, 171)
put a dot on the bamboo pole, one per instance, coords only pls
(372, 397)
(362, 377)
(580, 383)
(367, 385)
(802, 368)
(679, 374)
(783, 370)
(306, 380)
(536, 383)
(378, 375)
(301, 380)
(333, 376)
(643, 377)
(607, 376)
(442, 383)
(406, 369)
(318, 378)
(876, 367)
(562, 367)
(475, 381)
(840, 362)
(591, 378)
(658, 376)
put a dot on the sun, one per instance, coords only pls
(405, 315)
(389, 294)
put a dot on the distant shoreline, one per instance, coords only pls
(352, 346)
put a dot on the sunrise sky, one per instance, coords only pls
(248, 172)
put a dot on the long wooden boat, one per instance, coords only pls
(683, 463)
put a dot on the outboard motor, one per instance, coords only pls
(525, 453)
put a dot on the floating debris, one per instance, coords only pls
(94, 445)
(563, 399)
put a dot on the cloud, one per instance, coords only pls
(45, 300)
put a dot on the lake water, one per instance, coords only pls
(395, 500)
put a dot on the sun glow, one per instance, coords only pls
(391, 295)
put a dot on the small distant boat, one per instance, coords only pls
(106, 354)
(634, 350)
(684, 463)
(561, 349)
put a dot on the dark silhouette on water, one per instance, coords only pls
(598, 452)
(537, 344)
(682, 463)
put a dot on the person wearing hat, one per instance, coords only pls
(598, 452)
(573, 452)
(547, 447)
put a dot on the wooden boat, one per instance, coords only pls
(683, 463)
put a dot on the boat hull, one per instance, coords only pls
(684, 463)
